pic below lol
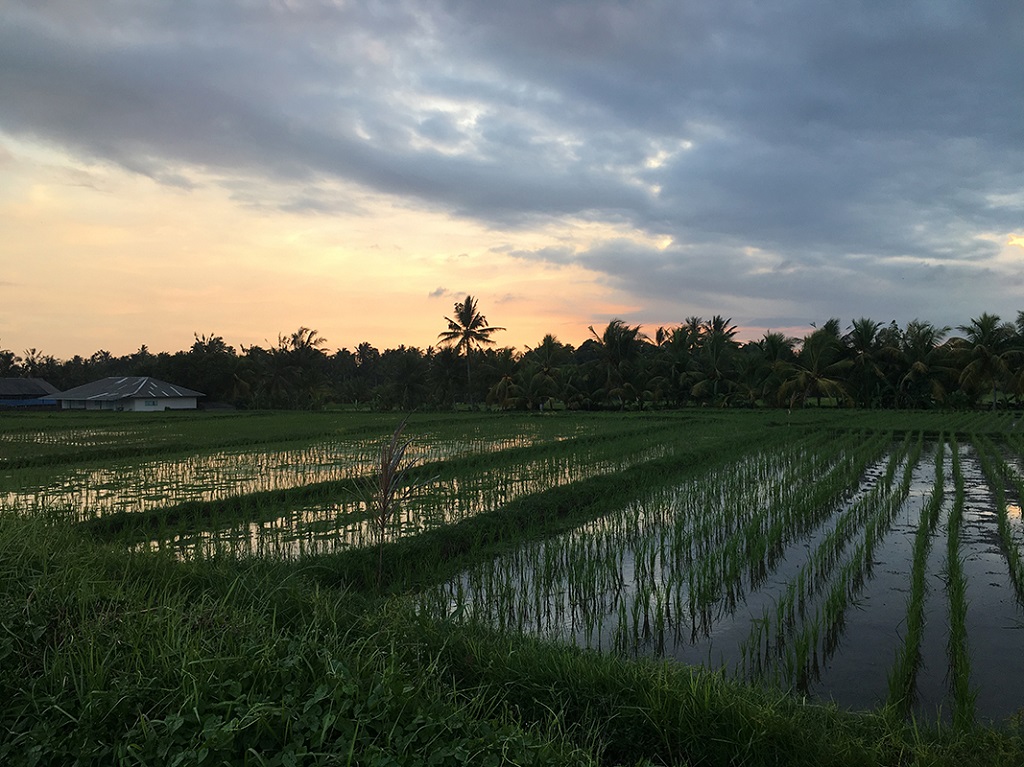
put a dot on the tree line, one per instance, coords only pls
(698, 362)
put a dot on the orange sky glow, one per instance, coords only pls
(101, 259)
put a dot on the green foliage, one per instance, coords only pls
(696, 362)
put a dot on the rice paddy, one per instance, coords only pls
(874, 568)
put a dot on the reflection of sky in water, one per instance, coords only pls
(330, 527)
(76, 437)
(151, 484)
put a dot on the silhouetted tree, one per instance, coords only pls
(716, 349)
(984, 354)
(819, 368)
(467, 331)
(618, 348)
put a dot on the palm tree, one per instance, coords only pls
(468, 330)
(307, 360)
(985, 353)
(819, 367)
(677, 362)
(774, 354)
(9, 363)
(540, 373)
(922, 352)
(619, 347)
(716, 350)
(501, 366)
(864, 349)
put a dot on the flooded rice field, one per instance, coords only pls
(823, 569)
(151, 484)
(865, 568)
(333, 527)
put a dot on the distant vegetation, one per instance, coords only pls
(699, 362)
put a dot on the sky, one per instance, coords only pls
(243, 168)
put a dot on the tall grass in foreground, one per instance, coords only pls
(107, 658)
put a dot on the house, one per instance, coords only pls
(139, 393)
(27, 392)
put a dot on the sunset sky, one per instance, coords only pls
(243, 168)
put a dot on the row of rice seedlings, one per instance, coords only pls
(956, 589)
(560, 574)
(903, 674)
(75, 438)
(999, 476)
(453, 499)
(146, 485)
(794, 509)
(622, 582)
(776, 647)
(205, 478)
(141, 486)
(964, 422)
(1012, 467)
(327, 528)
(769, 634)
(704, 553)
(783, 502)
(822, 634)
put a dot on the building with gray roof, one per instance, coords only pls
(138, 393)
(27, 393)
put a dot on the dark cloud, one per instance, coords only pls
(866, 153)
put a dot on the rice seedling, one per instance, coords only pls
(903, 674)
(959, 655)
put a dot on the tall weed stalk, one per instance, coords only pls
(388, 488)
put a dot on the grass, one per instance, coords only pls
(108, 659)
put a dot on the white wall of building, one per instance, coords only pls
(141, 405)
(158, 404)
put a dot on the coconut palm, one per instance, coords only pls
(985, 353)
(619, 348)
(819, 367)
(923, 357)
(717, 348)
(864, 349)
(770, 358)
(676, 363)
(467, 331)
(540, 373)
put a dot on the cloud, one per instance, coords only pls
(799, 156)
